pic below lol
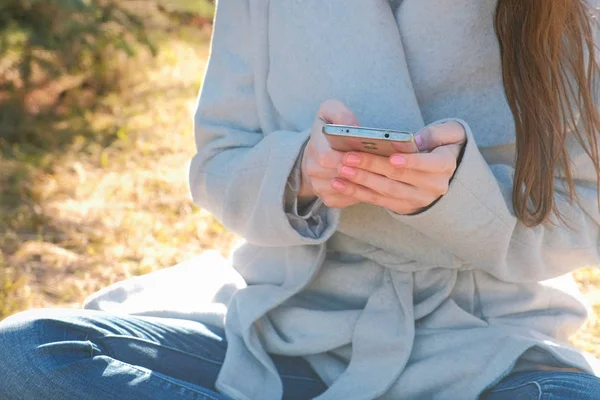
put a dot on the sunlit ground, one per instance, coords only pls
(104, 210)
(99, 211)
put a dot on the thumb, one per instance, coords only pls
(336, 112)
(437, 135)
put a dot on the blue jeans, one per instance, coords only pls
(88, 355)
(546, 385)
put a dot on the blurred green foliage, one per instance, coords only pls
(204, 8)
(65, 35)
(51, 47)
(78, 92)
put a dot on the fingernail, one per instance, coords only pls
(353, 159)
(338, 185)
(419, 142)
(348, 171)
(398, 160)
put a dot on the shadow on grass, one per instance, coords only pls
(36, 140)
(30, 147)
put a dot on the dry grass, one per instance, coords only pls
(104, 209)
(588, 338)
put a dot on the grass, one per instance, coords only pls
(106, 197)
(202, 8)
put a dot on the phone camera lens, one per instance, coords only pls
(347, 130)
(387, 135)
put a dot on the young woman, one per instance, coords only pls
(437, 275)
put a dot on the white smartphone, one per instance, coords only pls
(383, 142)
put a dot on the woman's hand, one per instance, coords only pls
(320, 163)
(404, 183)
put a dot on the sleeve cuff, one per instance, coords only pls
(309, 220)
(473, 211)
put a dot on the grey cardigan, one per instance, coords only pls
(438, 305)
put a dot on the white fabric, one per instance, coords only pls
(439, 305)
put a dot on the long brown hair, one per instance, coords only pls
(550, 75)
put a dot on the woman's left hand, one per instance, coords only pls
(405, 183)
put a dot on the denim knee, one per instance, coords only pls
(551, 385)
(18, 340)
(27, 354)
(19, 336)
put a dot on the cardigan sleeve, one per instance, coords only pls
(475, 221)
(242, 176)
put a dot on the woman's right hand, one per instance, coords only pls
(320, 162)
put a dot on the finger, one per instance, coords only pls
(369, 162)
(437, 135)
(427, 182)
(379, 183)
(323, 189)
(336, 112)
(450, 151)
(367, 195)
(330, 196)
(440, 161)
(323, 154)
(316, 171)
(330, 112)
(395, 167)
